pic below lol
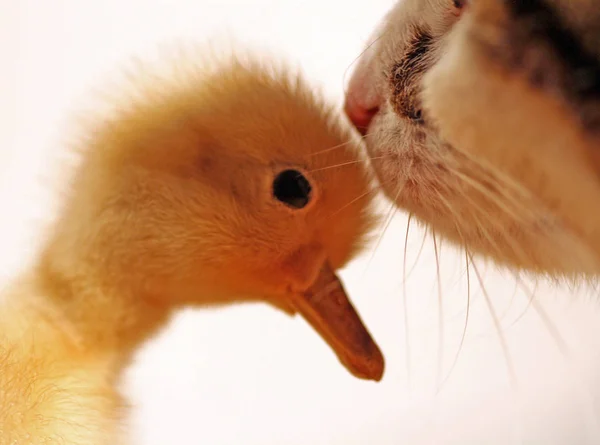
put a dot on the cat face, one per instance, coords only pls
(471, 143)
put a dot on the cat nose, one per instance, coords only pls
(359, 115)
(362, 97)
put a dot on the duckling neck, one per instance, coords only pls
(101, 318)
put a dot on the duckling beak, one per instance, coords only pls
(326, 307)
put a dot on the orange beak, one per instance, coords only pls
(326, 307)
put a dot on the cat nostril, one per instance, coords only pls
(459, 5)
(359, 116)
(416, 116)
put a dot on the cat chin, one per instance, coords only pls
(537, 241)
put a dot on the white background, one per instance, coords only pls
(250, 375)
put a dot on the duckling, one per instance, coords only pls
(220, 184)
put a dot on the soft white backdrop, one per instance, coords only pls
(250, 375)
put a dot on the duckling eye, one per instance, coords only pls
(292, 188)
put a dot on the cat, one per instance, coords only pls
(482, 120)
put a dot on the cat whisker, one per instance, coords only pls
(336, 147)
(464, 332)
(495, 199)
(496, 191)
(506, 182)
(405, 301)
(507, 194)
(387, 222)
(497, 326)
(510, 303)
(344, 164)
(529, 300)
(440, 314)
(512, 205)
(550, 326)
(489, 222)
(358, 198)
(459, 222)
(413, 267)
(357, 58)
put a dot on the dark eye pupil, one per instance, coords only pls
(292, 188)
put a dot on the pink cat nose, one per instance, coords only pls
(362, 98)
(359, 115)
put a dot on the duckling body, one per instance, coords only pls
(220, 185)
